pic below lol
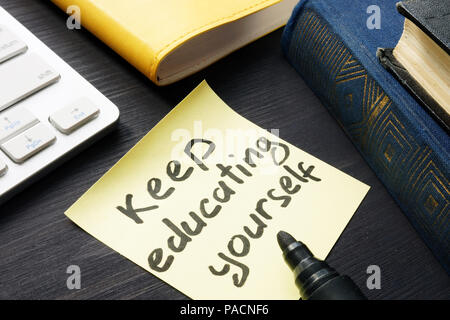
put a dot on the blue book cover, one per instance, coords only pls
(333, 45)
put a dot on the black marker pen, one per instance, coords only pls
(315, 278)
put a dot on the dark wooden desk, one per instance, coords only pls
(38, 243)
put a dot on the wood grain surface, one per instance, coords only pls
(38, 243)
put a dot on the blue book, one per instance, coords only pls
(333, 45)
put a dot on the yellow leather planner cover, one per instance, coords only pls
(171, 39)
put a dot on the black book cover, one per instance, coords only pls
(433, 18)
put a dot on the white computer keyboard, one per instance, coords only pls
(47, 110)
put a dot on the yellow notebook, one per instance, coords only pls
(172, 39)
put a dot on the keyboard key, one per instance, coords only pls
(15, 121)
(3, 168)
(28, 143)
(75, 115)
(22, 77)
(10, 45)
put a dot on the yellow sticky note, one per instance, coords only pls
(199, 200)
